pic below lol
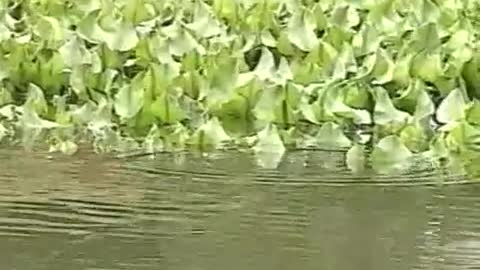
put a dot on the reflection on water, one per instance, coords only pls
(221, 212)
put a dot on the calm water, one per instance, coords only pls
(223, 212)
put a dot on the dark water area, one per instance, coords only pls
(185, 211)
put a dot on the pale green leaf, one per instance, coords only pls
(5, 96)
(269, 148)
(390, 155)
(264, 109)
(427, 66)
(345, 15)
(334, 103)
(128, 101)
(385, 112)
(301, 30)
(367, 40)
(355, 158)
(89, 29)
(75, 53)
(283, 73)
(36, 99)
(381, 67)
(167, 109)
(50, 29)
(3, 132)
(424, 107)
(452, 108)
(426, 37)
(265, 68)
(210, 134)
(31, 120)
(331, 135)
(204, 23)
(180, 41)
(123, 38)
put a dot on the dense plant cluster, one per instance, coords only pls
(399, 78)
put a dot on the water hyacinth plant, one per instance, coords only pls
(395, 78)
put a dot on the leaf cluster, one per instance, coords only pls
(392, 78)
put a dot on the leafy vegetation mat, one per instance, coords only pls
(393, 78)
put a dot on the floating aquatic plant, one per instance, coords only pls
(270, 75)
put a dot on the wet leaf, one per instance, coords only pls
(75, 53)
(265, 68)
(427, 66)
(355, 158)
(66, 147)
(452, 108)
(204, 23)
(330, 135)
(129, 101)
(390, 155)
(301, 31)
(123, 38)
(31, 120)
(36, 99)
(167, 109)
(385, 112)
(210, 135)
(269, 148)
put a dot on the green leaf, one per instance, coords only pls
(129, 101)
(122, 38)
(463, 138)
(119, 35)
(204, 23)
(75, 53)
(470, 72)
(367, 40)
(427, 66)
(137, 11)
(269, 148)
(426, 38)
(385, 112)
(283, 73)
(345, 15)
(265, 67)
(414, 137)
(264, 109)
(355, 158)
(301, 30)
(382, 67)
(331, 135)
(334, 103)
(452, 108)
(89, 29)
(4, 132)
(36, 100)
(50, 29)
(5, 96)
(401, 70)
(424, 107)
(181, 41)
(4, 70)
(31, 120)
(209, 135)
(390, 155)
(167, 109)
(473, 113)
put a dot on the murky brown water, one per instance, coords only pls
(186, 212)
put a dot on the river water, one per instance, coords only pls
(189, 212)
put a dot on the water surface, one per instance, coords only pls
(185, 211)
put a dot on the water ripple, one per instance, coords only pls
(184, 211)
